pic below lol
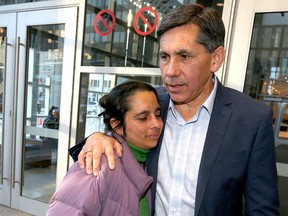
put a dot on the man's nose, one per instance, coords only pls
(173, 68)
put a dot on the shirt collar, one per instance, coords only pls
(209, 103)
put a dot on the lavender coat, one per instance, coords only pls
(112, 192)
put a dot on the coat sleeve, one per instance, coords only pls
(78, 194)
(75, 150)
(261, 191)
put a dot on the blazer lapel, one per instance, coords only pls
(153, 156)
(217, 127)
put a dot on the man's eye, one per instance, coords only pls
(164, 57)
(185, 56)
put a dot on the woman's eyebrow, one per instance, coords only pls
(144, 112)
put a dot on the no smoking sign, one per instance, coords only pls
(150, 27)
(102, 19)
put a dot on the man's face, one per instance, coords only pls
(186, 66)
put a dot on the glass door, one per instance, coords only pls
(7, 54)
(267, 80)
(263, 68)
(41, 106)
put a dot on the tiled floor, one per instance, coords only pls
(5, 211)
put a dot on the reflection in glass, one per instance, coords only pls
(43, 94)
(3, 34)
(10, 2)
(267, 80)
(267, 69)
(281, 121)
(132, 40)
(93, 87)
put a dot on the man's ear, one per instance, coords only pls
(218, 57)
(114, 125)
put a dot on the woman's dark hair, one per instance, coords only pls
(52, 109)
(211, 27)
(117, 102)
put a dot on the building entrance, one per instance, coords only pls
(37, 48)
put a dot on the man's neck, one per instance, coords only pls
(189, 109)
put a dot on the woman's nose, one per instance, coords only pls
(157, 122)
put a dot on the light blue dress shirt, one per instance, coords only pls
(180, 158)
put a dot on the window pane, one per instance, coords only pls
(126, 34)
(10, 2)
(45, 47)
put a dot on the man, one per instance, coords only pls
(216, 155)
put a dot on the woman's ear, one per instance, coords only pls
(114, 125)
(217, 59)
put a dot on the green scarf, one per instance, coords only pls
(141, 156)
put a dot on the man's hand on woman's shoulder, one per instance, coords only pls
(96, 145)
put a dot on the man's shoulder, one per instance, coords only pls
(162, 93)
(161, 90)
(241, 100)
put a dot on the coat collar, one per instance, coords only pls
(217, 127)
(133, 169)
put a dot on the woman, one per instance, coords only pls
(52, 121)
(132, 116)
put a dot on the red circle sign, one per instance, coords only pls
(149, 26)
(104, 22)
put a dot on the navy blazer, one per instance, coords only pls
(238, 163)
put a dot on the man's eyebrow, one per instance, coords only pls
(182, 51)
(163, 53)
(178, 52)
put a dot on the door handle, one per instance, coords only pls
(15, 102)
(3, 108)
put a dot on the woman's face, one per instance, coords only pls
(55, 114)
(143, 123)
